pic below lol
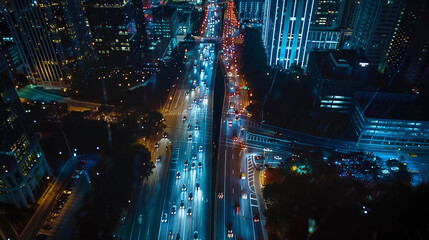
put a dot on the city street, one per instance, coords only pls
(237, 207)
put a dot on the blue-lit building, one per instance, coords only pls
(285, 31)
(23, 167)
(390, 120)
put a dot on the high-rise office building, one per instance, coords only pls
(336, 76)
(285, 31)
(327, 14)
(23, 169)
(74, 34)
(111, 28)
(165, 23)
(251, 12)
(407, 56)
(374, 27)
(31, 24)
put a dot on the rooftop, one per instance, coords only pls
(392, 106)
(163, 11)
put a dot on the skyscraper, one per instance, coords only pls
(407, 56)
(374, 27)
(251, 12)
(111, 29)
(31, 23)
(327, 14)
(285, 31)
(74, 33)
(23, 168)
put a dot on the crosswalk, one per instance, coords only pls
(250, 174)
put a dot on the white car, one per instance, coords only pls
(244, 194)
(164, 217)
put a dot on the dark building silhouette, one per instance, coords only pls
(374, 27)
(23, 169)
(337, 75)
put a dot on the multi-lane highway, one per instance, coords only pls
(237, 208)
(185, 212)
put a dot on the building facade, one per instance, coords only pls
(336, 75)
(374, 27)
(251, 12)
(390, 120)
(111, 29)
(165, 22)
(24, 169)
(31, 24)
(285, 31)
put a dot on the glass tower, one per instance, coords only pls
(285, 31)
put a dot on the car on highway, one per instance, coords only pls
(190, 107)
(158, 158)
(165, 135)
(184, 187)
(244, 194)
(173, 210)
(186, 163)
(182, 205)
(191, 197)
(178, 175)
(243, 145)
(200, 165)
(170, 235)
(220, 195)
(195, 235)
(255, 217)
(164, 217)
(230, 122)
(230, 233)
(187, 93)
(234, 136)
(197, 186)
(200, 149)
(268, 150)
(278, 158)
(156, 145)
(184, 118)
(237, 118)
(194, 156)
(193, 165)
(189, 212)
(190, 137)
(237, 208)
(243, 176)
